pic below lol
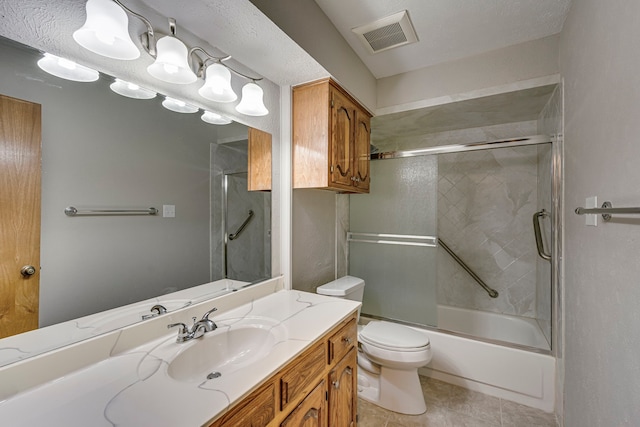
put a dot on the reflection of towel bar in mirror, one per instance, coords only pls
(72, 211)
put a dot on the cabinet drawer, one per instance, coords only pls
(297, 380)
(256, 410)
(342, 341)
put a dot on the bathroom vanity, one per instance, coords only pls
(277, 357)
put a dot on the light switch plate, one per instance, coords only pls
(169, 211)
(591, 219)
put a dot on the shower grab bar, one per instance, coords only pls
(72, 211)
(607, 210)
(400, 239)
(235, 235)
(537, 231)
(492, 292)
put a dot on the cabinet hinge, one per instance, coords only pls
(331, 168)
(332, 103)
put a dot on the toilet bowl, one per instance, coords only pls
(389, 356)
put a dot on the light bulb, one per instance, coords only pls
(252, 103)
(106, 31)
(171, 64)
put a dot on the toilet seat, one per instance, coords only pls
(393, 337)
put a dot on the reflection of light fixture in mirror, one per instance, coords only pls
(106, 31)
(251, 103)
(217, 85)
(131, 90)
(171, 64)
(214, 119)
(178, 106)
(66, 69)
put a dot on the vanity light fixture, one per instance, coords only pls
(67, 69)
(171, 64)
(252, 103)
(178, 106)
(131, 90)
(217, 84)
(106, 31)
(214, 118)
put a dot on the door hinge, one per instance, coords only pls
(326, 396)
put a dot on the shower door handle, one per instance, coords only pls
(537, 230)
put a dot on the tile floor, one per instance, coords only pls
(453, 406)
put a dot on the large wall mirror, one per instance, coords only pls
(104, 151)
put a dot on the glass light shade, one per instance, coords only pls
(217, 84)
(178, 106)
(131, 90)
(66, 69)
(106, 31)
(251, 103)
(214, 119)
(171, 64)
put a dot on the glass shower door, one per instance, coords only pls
(392, 240)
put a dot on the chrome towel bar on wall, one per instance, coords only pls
(607, 210)
(72, 211)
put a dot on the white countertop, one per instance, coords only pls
(134, 388)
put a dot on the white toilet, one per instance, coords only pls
(389, 357)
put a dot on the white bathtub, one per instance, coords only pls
(514, 374)
(493, 326)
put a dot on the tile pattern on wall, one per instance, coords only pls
(486, 200)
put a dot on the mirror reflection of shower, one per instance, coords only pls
(246, 229)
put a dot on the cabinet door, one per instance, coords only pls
(341, 141)
(343, 385)
(362, 148)
(312, 411)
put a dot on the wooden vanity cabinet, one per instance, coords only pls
(331, 139)
(317, 388)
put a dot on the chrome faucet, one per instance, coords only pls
(156, 310)
(198, 329)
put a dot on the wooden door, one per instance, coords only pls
(342, 124)
(20, 163)
(312, 411)
(362, 149)
(259, 167)
(343, 392)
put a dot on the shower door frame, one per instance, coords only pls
(557, 198)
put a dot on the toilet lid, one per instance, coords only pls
(393, 335)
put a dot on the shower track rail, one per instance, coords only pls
(492, 292)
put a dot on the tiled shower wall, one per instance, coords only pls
(486, 200)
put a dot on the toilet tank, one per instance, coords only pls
(348, 287)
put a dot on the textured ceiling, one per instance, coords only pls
(447, 29)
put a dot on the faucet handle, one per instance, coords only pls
(183, 331)
(206, 315)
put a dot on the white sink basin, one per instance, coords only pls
(236, 343)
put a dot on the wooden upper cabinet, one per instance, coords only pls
(259, 155)
(331, 139)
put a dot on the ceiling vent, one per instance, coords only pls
(386, 33)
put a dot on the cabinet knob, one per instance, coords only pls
(347, 340)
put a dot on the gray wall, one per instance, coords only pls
(599, 62)
(101, 150)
